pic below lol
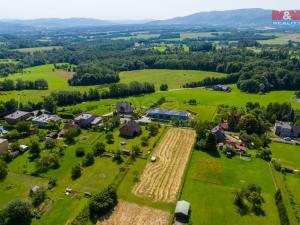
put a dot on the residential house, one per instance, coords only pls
(222, 88)
(17, 116)
(52, 135)
(130, 129)
(165, 114)
(43, 120)
(67, 126)
(182, 211)
(283, 129)
(97, 121)
(84, 119)
(219, 134)
(238, 148)
(124, 108)
(296, 131)
(3, 145)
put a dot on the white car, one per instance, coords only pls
(287, 139)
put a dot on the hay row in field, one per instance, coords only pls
(161, 180)
(132, 214)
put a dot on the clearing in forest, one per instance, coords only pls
(161, 180)
(127, 213)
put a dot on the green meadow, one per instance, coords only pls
(57, 80)
(286, 154)
(174, 78)
(210, 185)
(38, 49)
(207, 101)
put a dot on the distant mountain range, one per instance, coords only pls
(233, 18)
(240, 17)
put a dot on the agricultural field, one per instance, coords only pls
(189, 35)
(133, 214)
(38, 49)
(210, 185)
(57, 80)
(174, 78)
(161, 180)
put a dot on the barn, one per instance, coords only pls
(167, 114)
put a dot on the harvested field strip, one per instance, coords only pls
(132, 214)
(161, 180)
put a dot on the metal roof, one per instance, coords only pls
(182, 207)
(170, 112)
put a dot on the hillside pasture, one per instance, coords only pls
(161, 180)
(38, 49)
(174, 78)
(127, 213)
(57, 80)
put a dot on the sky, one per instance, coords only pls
(128, 9)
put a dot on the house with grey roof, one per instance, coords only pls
(43, 120)
(166, 114)
(84, 119)
(283, 129)
(219, 133)
(16, 117)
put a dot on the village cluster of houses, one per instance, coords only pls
(130, 128)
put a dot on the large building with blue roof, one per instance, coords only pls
(166, 114)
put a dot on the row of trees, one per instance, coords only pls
(93, 74)
(19, 84)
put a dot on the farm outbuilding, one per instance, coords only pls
(16, 117)
(166, 114)
(182, 211)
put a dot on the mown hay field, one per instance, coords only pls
(161, 180)
(127, 213)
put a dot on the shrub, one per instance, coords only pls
(99, 149)
(79, 152)
(103, 202)
(88, 160)
(18, 212)
(3, 170)
(52, 183)
(283, 216)
(76, 172)
(38, 197)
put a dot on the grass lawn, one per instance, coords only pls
(61, 209)
(38, 49)
(286, 154)
(57, 80)
(210, 186)
(174, 78)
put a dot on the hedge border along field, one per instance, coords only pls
(161, 180)
(129, 213)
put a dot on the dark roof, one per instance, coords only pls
(169, 112)
(130, 126)
(16, 115)
(217, 129)
(124, 107)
